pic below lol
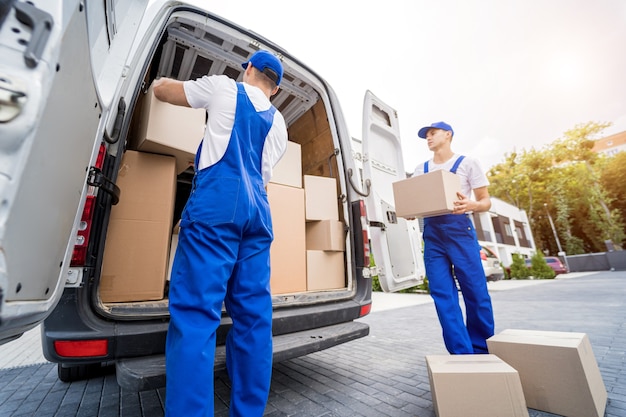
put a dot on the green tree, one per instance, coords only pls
(563, 181)
(518, 267)
(613, 180)
(539, 267)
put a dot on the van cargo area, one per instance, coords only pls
(156, 170)
(113, 308)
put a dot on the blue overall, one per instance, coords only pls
(223, 256)
(450, 242)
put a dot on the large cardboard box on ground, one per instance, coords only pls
(167, 129)
(321, 198)
(288, 250)
(138, 237)
(325, 270)
(474, 385)
(325, 235)
(558, 370)
(426, 195)
(288, 171)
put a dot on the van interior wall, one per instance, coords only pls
(312, 132)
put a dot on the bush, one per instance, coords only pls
(518, 267)
(539, 267)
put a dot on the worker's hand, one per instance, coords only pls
(462, 205)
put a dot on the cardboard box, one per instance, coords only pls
(321, 198)
(288, 250)
(170, 130)
(475, 385)
(427, 195)
(288, 171)
(325, 270)
(138, 238)
(558, 370)
(325, 235)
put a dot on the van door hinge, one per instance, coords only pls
(74, 277)
(97, 179)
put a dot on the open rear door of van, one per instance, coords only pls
(396, 242)
(61, 65)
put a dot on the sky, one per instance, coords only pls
(507, 75)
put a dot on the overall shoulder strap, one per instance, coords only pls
(456, 164)
(426, 167)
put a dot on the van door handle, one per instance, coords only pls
(41, 24)
(368, 185)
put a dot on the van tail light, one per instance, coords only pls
(366, 237)
(81, 348)
(365, 310)
(79, 255)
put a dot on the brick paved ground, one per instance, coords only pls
(383, 374)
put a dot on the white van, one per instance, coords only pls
(91, 187)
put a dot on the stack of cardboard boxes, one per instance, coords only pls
(286, 198)
(325, 236)
(136, 253)
(137, 244)
(309, 241)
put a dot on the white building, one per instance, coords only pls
(505, 230)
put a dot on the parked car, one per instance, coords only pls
(491, 264)
(556, 264)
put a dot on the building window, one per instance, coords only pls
(507, 229)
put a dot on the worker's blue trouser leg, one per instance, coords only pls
(451, 240)
(206, 257)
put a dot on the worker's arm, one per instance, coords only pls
(171, 91)
(482, 202)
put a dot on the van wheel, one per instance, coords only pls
(71, 373)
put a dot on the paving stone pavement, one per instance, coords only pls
(383, 374)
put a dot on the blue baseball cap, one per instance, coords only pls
(268, 64)
(437, 125)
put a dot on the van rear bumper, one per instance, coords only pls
(145, 373)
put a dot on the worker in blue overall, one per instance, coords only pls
(451, 249)
(223, 253)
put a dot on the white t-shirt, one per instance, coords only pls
(470, 171)
(218, 95)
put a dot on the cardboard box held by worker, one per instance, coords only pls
(431, 194)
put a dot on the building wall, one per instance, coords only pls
(611, 144)
(505, 230)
